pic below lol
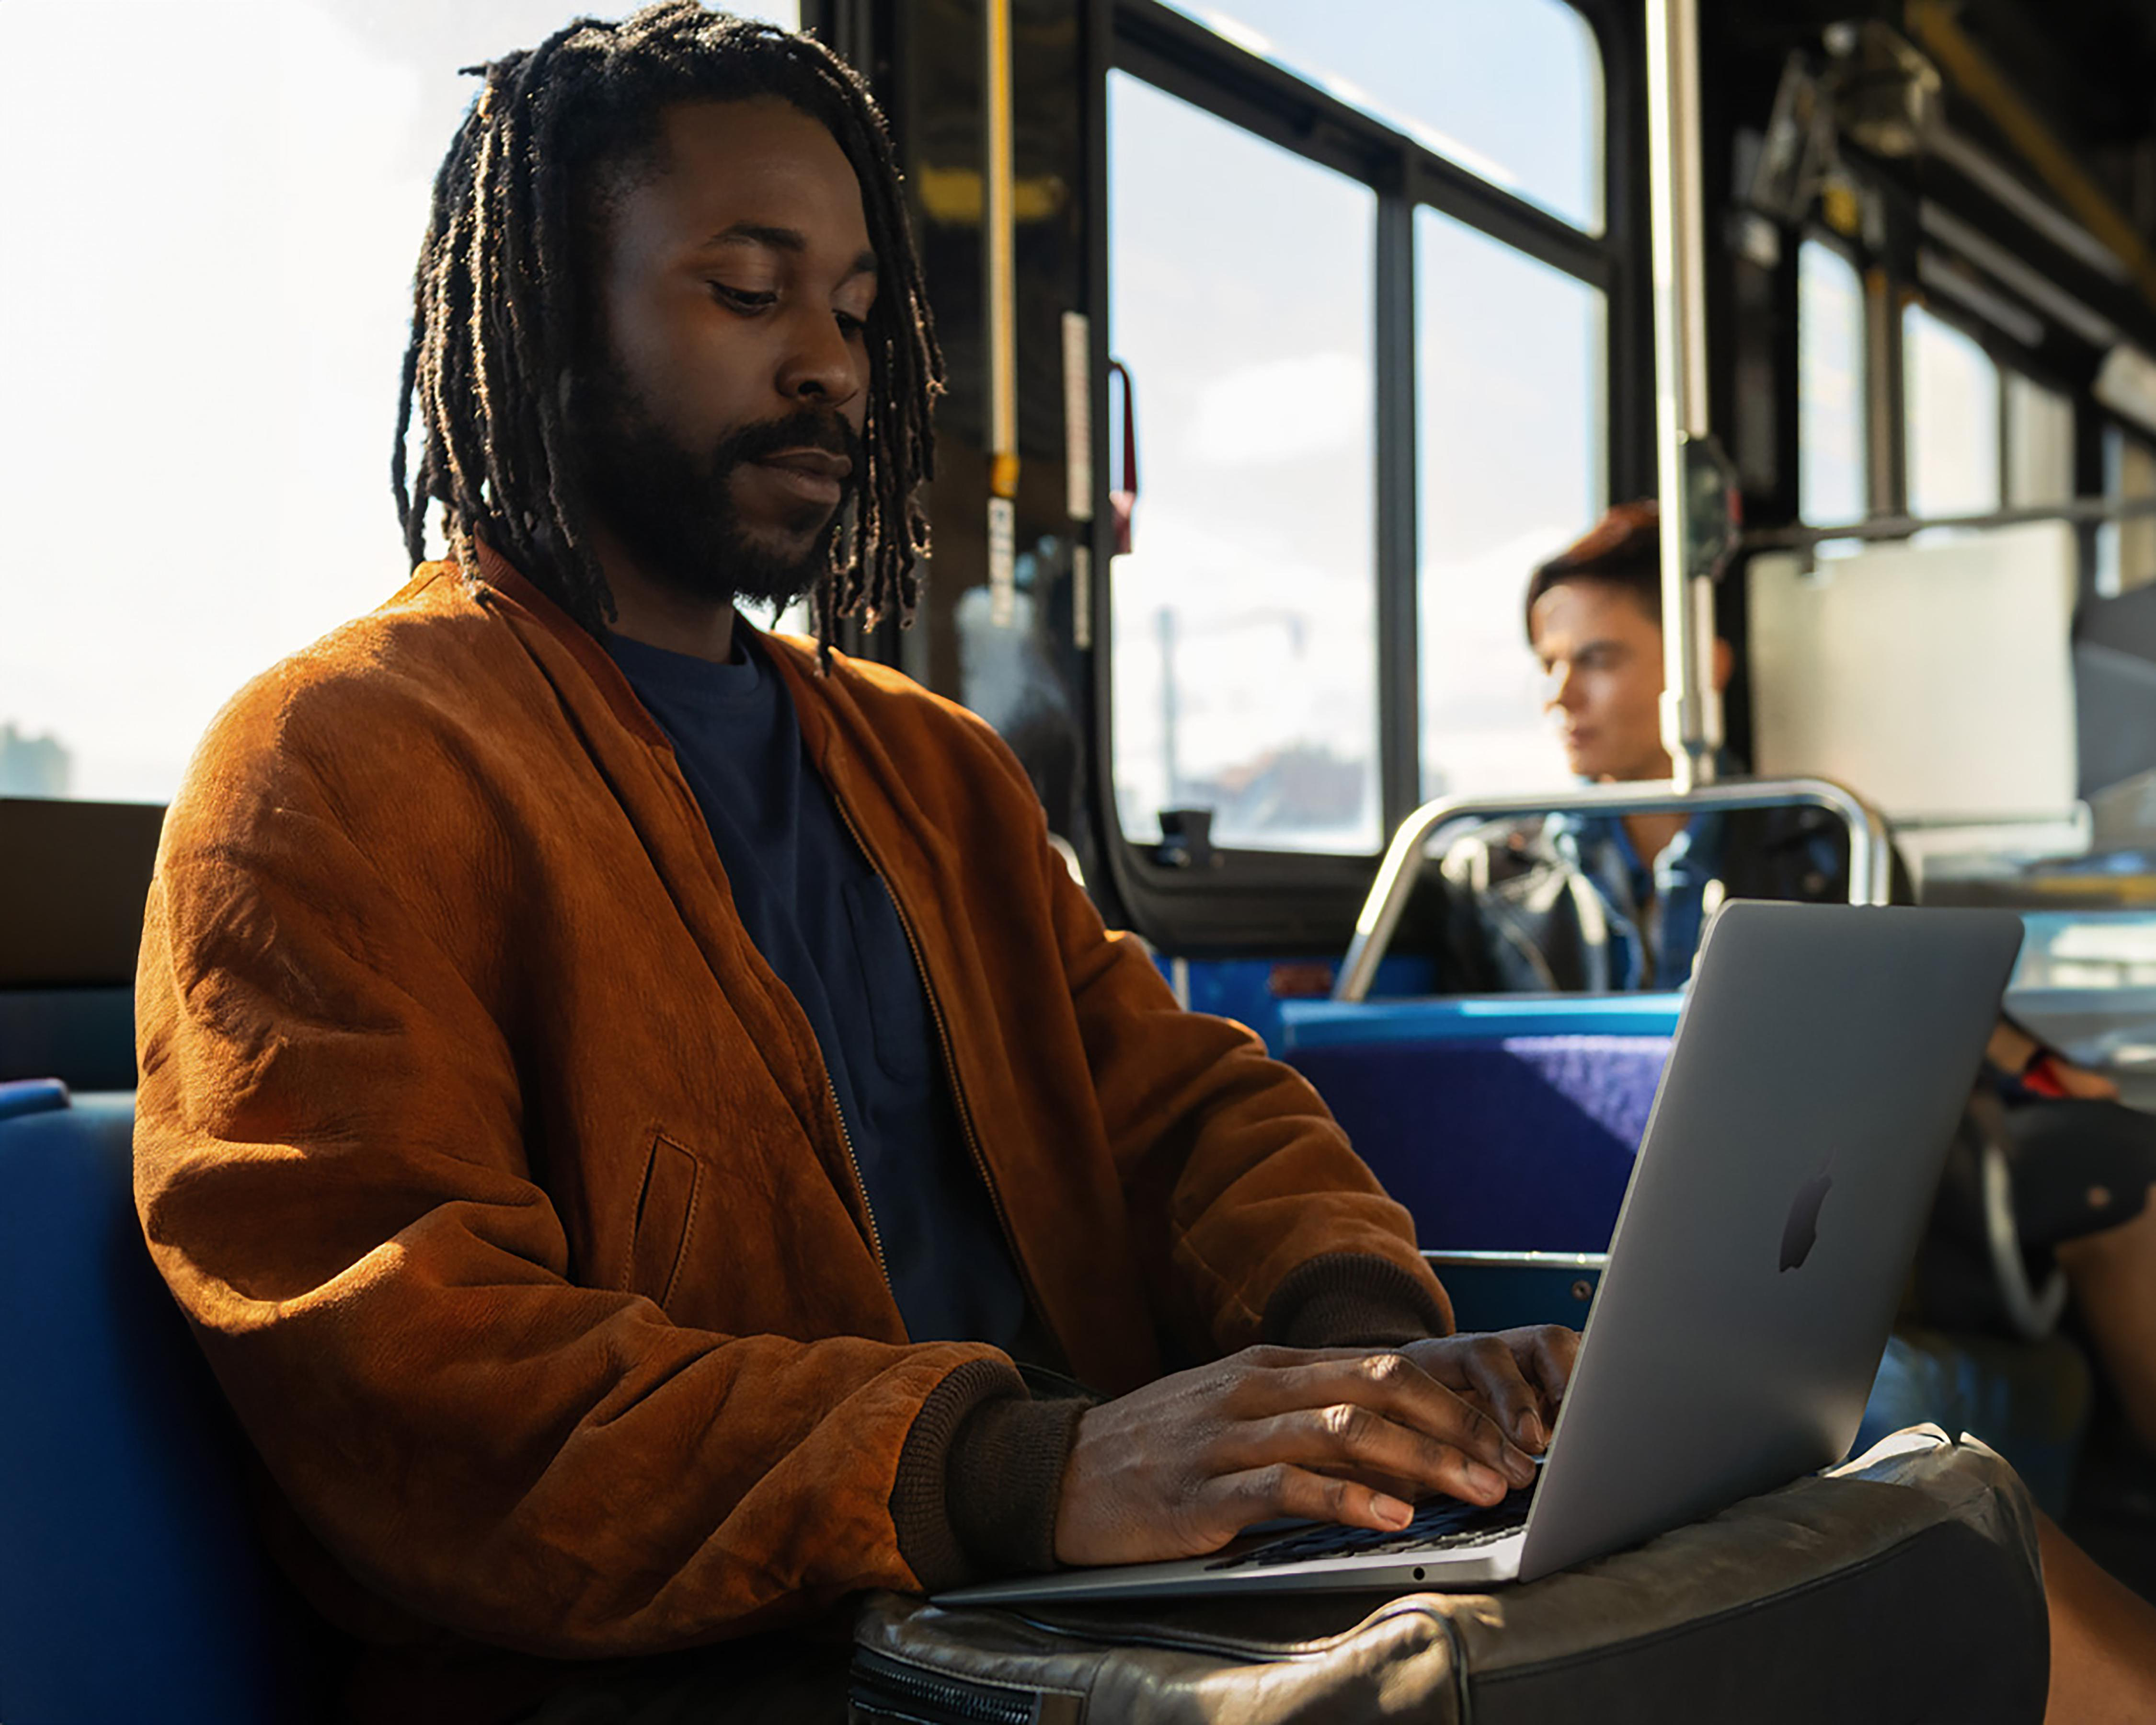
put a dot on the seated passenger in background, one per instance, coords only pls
(638, 1115)
(1598, 902)
(1604, 902)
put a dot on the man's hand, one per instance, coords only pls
(1517, 1376)
(2013, 1050)
(1179, 1468)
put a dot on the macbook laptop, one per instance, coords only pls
(1820, 1065)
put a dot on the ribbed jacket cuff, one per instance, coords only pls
(1005, 1482)
(1351, 1300)
(981, 1477)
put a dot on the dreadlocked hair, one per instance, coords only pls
(495, 318)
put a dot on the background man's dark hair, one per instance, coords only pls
(495, 322)
(1623, 549)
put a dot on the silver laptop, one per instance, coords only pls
(1820, 1064)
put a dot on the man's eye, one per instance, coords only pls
(850, 325)
(743, 299)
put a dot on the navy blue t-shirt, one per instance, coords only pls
(824, 921)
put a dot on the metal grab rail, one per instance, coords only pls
(2080, 512)
(1871, 856)
(1692, 704)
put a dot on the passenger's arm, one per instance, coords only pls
(333, 1176)
(2013, 1051)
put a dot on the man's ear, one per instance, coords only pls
(1725, 664)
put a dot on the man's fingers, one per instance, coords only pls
(1493, 1371)
(1400, 1398)
(1357, 1443)
(1519, 1375)
(1550, 1351)
(1263, 1494)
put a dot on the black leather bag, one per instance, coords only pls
(1903, 1587)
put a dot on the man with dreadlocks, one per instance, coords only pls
(645, 1127)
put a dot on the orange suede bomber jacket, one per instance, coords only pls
(503, 1187)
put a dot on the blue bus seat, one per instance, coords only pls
(1503, 1124)
(131, 1585)
(1250, 990)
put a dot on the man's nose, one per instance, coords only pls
(820, 366)
(1561, 689)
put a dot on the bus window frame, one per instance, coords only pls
(1291, 902)
(2055, 366)
(2098, 428)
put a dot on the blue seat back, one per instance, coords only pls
(1503, 1125)
(131, 1586)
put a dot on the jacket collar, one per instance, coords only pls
(508, 587)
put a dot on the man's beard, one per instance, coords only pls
(673, 506)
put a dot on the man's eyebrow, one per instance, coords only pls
(784, 239)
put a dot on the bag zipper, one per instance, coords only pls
(883, 1685)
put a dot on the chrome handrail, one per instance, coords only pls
(1871, 854)
(1691, 704)
(2034, 1311)
(1479, 1259)
(2081, 511)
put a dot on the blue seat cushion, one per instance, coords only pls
(1505, 1123)
(132, 1585)
(1521, 1143)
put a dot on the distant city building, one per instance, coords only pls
(34, 766)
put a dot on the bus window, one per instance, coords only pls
(2125, 550)
(1512, 93)
(2040, 444)
(1244, 617)
(201, 347)
(1831, 459)
(1951, 400)
(1510, 441)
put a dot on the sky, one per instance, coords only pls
(211, 212)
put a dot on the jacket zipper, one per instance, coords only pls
(966, 1128)
(680, 785)
(861, 1185)
(884, 1687)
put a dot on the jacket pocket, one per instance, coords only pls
(665, 1219)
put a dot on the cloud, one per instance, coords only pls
(1282, 409)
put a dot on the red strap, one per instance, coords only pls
(2041, 1076)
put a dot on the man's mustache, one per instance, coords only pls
(811, 428)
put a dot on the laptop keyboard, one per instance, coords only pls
(1443, 1524)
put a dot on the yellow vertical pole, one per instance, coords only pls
(999, 247)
